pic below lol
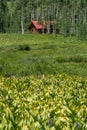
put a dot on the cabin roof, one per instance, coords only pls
(36, 24)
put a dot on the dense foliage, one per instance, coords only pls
(70, 16)
(53, 102)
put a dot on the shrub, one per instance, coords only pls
(77, 59)
(24, 47)
(61, 59)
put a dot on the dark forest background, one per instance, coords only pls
(69, 16)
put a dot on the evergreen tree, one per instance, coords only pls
(3, 16)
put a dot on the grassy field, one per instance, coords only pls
(43, 82)
(23, 55)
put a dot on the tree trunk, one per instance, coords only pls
(22, 17)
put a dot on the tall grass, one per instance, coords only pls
(22, 55)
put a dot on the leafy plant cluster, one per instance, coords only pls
(52, 102)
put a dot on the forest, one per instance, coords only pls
(70, 16)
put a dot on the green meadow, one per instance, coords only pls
(22, 55)
(43, 82)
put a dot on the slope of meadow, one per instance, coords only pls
(23, 55)
(33, 93)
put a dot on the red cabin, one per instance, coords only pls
(35, 27)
